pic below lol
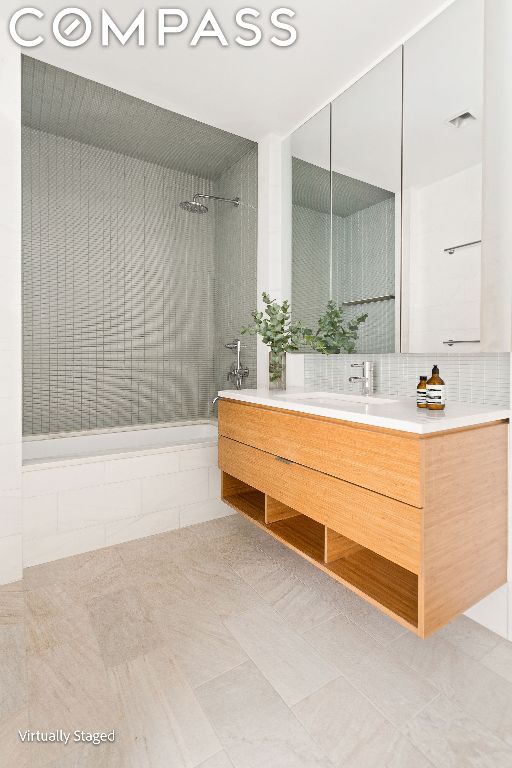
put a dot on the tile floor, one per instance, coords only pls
(215, 647)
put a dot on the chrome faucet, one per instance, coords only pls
(366, 379)
(237, 372)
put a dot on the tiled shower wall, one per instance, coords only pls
(235, 265)
(363, 265)
(483, 379)
(118, 285)
(363, 248)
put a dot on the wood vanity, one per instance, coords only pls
(414, 523)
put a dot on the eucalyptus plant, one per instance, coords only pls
(334, 334)
(277, 331)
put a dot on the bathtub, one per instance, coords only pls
(89, 490)
(108, 442)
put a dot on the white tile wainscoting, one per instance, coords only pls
(78, 505)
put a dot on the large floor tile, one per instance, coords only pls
(500, 659)
(468, 636)
(219, 587)
(341, 642)
(285, 557)
(13, 753)
(67, 689)
(163, 723)
(288, 662)
(341, 598)
(480, 692)
(392, 687)
(55, 572)
(375, 623)
(452, 739)
(198, 638)
(52, 618)
(153, 553)
(301, 605)
(256, 728)
(220, 760)
(12, 603)
(223, 526)
(242, 553)
(219, 623)
(162, 585)
(435, 659)
(13, 679)
(123, 626)
(352, 733)
(99, 573)
(89, 756)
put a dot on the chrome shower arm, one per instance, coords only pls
(235, 201)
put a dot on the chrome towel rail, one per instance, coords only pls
(371, 300)
(454, 248)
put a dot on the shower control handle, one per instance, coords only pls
(237, 372)
(236, 346)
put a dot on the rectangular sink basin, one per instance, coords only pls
(337, 398)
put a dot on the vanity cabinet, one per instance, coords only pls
(414, 523)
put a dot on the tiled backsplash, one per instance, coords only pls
(481, 379)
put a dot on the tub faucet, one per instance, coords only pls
(237, 372)
(366, 379)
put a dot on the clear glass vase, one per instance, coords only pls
(277, 370)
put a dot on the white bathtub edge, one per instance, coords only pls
(31, 465)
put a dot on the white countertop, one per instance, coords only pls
(400, 414)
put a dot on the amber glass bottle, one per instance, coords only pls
(421, 393)
(436, 391)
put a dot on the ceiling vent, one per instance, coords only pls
(460, 120)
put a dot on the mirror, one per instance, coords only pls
(442, 201)
(311, 217)
(387, 201)
(366, 191)
(346, 185)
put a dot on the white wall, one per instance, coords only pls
(10, 312)
(444, 289)
(497, 201)
(274, 230)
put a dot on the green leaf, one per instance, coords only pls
(275, 327)
(332, 336)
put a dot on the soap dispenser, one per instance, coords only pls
(436, 391)
(421, 392)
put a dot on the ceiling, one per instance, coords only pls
(366, 129)
(247, 91)
(61, 103)
(312, 189)
(443, 77)
(439, 87)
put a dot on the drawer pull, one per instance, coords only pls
(283, 461)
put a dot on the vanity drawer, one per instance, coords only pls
(384, 525)
(383, 461)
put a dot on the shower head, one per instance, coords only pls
(192, 206)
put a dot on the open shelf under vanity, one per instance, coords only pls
(383, 583)
(416, 524)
